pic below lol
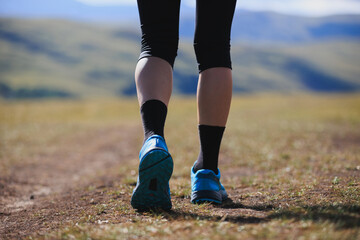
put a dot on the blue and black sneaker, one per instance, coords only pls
(156, 166)
(206, 187)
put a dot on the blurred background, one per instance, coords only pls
(89, 48)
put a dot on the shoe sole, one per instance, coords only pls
(206, 196)
(152, 190)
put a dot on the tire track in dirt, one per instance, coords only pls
(75, 163)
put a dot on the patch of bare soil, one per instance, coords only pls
(54, 182)
(346, 140)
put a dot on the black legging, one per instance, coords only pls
(160, 31)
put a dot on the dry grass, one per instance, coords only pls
(290, 163)
(30, 128)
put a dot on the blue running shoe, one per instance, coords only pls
(156, 166)
(206, 187)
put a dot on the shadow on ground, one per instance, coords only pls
(343, 216)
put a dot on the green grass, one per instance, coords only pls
(291, 165)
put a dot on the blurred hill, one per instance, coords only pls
(270, 27)
(247, 25)
(63, 58)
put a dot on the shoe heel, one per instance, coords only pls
(152, 190)
(157, 157)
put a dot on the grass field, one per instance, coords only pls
(290, 163)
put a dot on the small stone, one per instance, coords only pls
(336, 180)
(102, 222)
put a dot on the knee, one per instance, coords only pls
(212, 54)
(162, 44)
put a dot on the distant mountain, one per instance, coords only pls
(57, 58)
(248, 26)
(269, 27)
(282, 28)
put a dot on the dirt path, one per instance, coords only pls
(71, 184)
(52, 183)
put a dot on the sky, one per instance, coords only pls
(296, 7)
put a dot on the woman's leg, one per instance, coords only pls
(159, 24)
(153, 76)
(214, 96)
(212, 48)
(213, 99)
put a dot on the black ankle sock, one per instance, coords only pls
(210, 140)
(153, 115)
